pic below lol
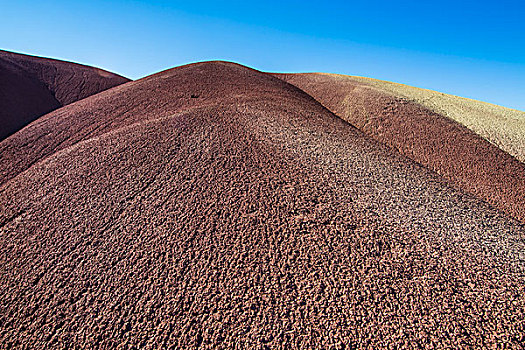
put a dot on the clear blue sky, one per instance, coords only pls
(469, 48)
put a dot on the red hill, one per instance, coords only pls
(442, 145)
(215, 206)
(32, 86)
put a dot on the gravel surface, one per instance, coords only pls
(214, 206)
(33, 86)
(439, 143)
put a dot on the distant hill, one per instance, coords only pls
(447, 134)
(33, 86)
(216, 206)
(502, 126)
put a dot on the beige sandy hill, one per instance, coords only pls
(502, 126)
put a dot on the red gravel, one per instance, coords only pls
(466, 160)
(32, 86)
(246, 216)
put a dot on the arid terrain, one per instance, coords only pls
(33, 86)
(424, 133)
(215, 206)
(502, 126)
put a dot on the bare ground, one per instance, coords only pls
(245, 216)
(433, 140)
(504, 127)
(33, 86)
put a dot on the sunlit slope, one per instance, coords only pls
(212, 206)
(502, 126)
(429, 137)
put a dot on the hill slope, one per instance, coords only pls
(215, 206)
(441, 144)
(502, 126)
(32, 86)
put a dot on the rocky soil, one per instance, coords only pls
(214, 206)
(468, 161)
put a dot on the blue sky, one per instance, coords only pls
(469, 48)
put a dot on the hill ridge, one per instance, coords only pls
(453, 150)
(32, 86)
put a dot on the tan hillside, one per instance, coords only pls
(502, 126)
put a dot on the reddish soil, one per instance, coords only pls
(466, 160)
(32, 86)
(214, 206)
